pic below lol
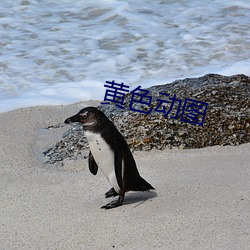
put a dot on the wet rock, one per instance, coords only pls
(227, 120)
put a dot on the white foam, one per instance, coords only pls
(60, 52)
(56, 94)
(242, 67)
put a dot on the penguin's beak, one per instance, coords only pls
(74, 118)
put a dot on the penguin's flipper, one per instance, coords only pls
(118, 166)
(111, 193)
(93, 167)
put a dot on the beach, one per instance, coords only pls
(56, 58)
(201, 198)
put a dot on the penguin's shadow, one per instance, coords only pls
(137, 198)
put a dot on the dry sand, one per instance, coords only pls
(201, 201)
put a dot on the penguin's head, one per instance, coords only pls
(88, 117)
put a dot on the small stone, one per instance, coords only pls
(181, 133)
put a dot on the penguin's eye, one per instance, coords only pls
(84, 115)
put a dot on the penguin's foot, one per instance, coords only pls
(111, 193)
(113, 204)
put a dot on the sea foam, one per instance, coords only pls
(62, 52)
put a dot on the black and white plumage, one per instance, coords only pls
(110, 152)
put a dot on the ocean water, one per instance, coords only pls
(61, 52)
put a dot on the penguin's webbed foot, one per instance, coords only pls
(113, 204)
(111, 193)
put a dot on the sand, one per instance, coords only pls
(201, 200)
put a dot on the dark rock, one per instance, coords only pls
(227, 120)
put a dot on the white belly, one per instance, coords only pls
(104, 157)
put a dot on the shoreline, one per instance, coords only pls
(201, 198)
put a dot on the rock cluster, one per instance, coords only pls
(227, 120)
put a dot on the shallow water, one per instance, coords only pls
(63, 52)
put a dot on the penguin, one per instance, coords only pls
(110, 152)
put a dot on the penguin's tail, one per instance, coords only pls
(141, 185)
